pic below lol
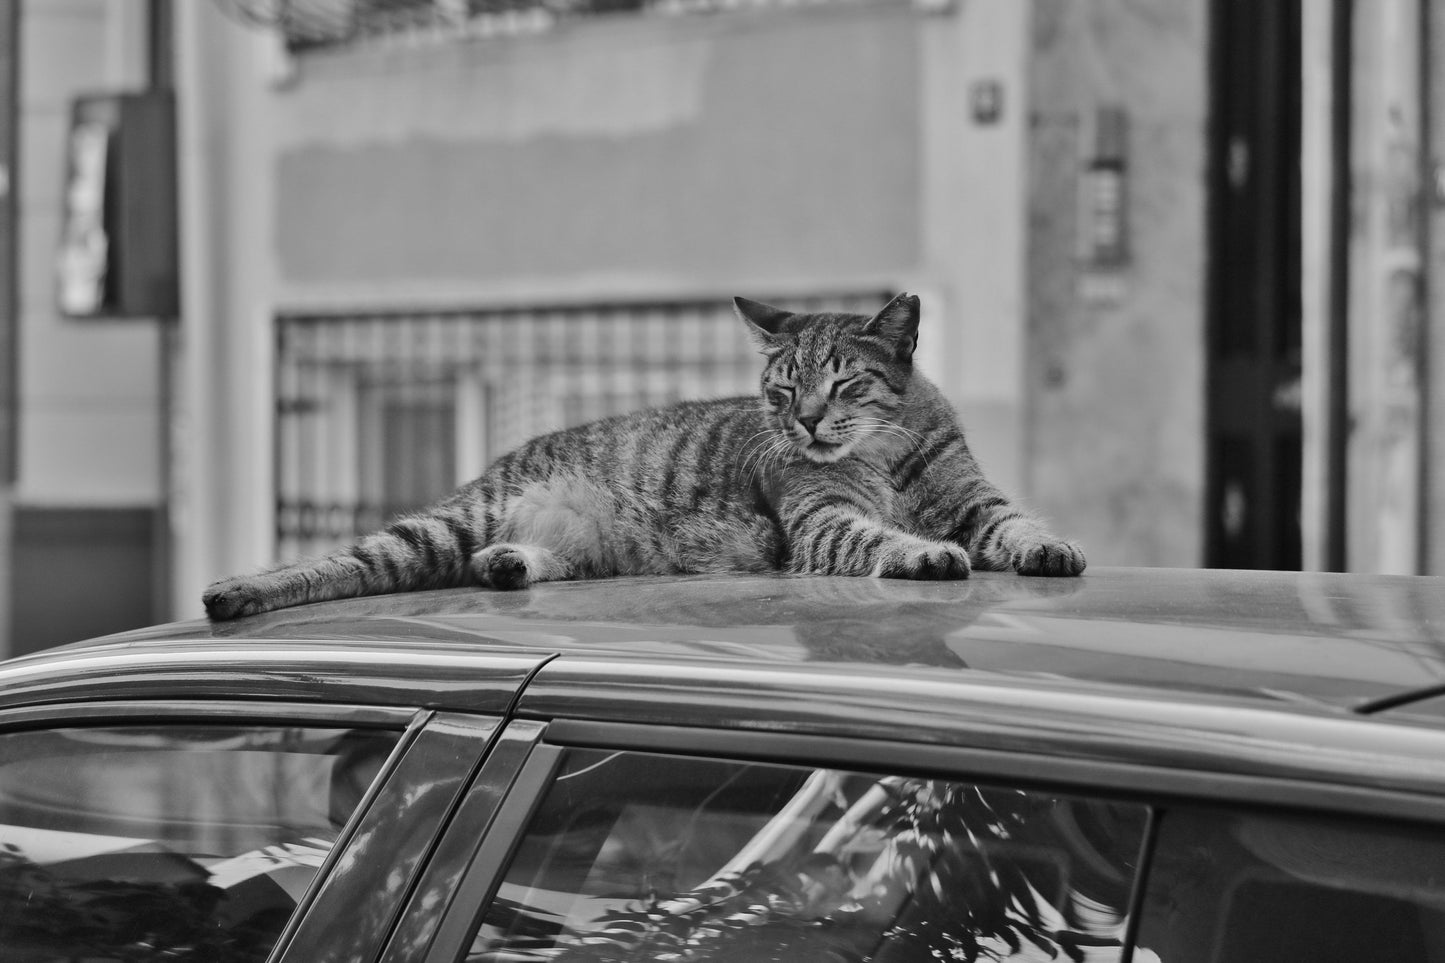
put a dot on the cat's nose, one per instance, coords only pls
(810, 422)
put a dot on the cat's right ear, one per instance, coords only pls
(765, 322)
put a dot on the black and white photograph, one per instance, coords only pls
(722, 481)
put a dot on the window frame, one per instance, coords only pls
(397, 822)
(548, 743)
(540, 749)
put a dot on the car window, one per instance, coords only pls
(1246, 888)
(169, 843)
(637, 857)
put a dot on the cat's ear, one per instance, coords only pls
(897, 324)
(765, 322)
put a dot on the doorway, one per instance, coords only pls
(1254, 454)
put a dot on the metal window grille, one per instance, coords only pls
(313, 24)
(309, 25)
(381, 414)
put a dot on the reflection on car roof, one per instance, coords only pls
(1317, 638)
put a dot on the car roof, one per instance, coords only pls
(1327, 643)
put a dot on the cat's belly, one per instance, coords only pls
(604, 532)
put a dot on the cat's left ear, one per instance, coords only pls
(897, 324)
(765, 322)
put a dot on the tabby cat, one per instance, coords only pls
(853, 464)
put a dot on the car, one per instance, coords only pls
(1139, 764)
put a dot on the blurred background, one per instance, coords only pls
(271, 270)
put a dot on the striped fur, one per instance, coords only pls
(852, 464)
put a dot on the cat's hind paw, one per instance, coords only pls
(502, 567)
(518, 566)
(932, 561)
(1050, 559)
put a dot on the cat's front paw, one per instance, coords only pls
(933, 560)
(231, 598)
(1050, 559)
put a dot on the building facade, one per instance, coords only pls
(414, 233)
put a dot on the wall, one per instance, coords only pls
(1116, 357)
(1386, 395)
(221, 484)
(88, 394)
(752, 152)
(88, 389)
(974, 223)
(1433, 95)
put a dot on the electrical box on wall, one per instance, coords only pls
(119, 252)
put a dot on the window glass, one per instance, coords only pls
(1247, 888)
(174, 843)
(642, 857)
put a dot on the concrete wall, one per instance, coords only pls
(1116, 356)
(1433, 310)
(1386, 395)
(89, 390)
(753, 150)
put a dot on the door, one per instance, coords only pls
(1255, 442)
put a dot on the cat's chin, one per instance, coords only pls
(824, 453)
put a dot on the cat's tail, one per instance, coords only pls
(426, 551)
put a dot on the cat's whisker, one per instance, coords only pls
(878, 430)
(884, 422)
(885, 431)
(770, 430)
(774, 451)
(881, 424)
(758, 451)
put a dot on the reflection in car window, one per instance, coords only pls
(174, 843)
(642, 857)
(1247, 888)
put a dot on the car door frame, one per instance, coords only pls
(479, 848)
(397, 822)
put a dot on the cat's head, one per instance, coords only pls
(835, 383)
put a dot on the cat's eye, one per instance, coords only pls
(843, 383)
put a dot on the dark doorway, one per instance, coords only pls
(1255, 451)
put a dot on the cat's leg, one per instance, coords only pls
(564, 526)
(417, 552)
(1045, 554)
(950, 499)
(847, 544)
(510, 566)
(1000, 536)
(830, 530)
